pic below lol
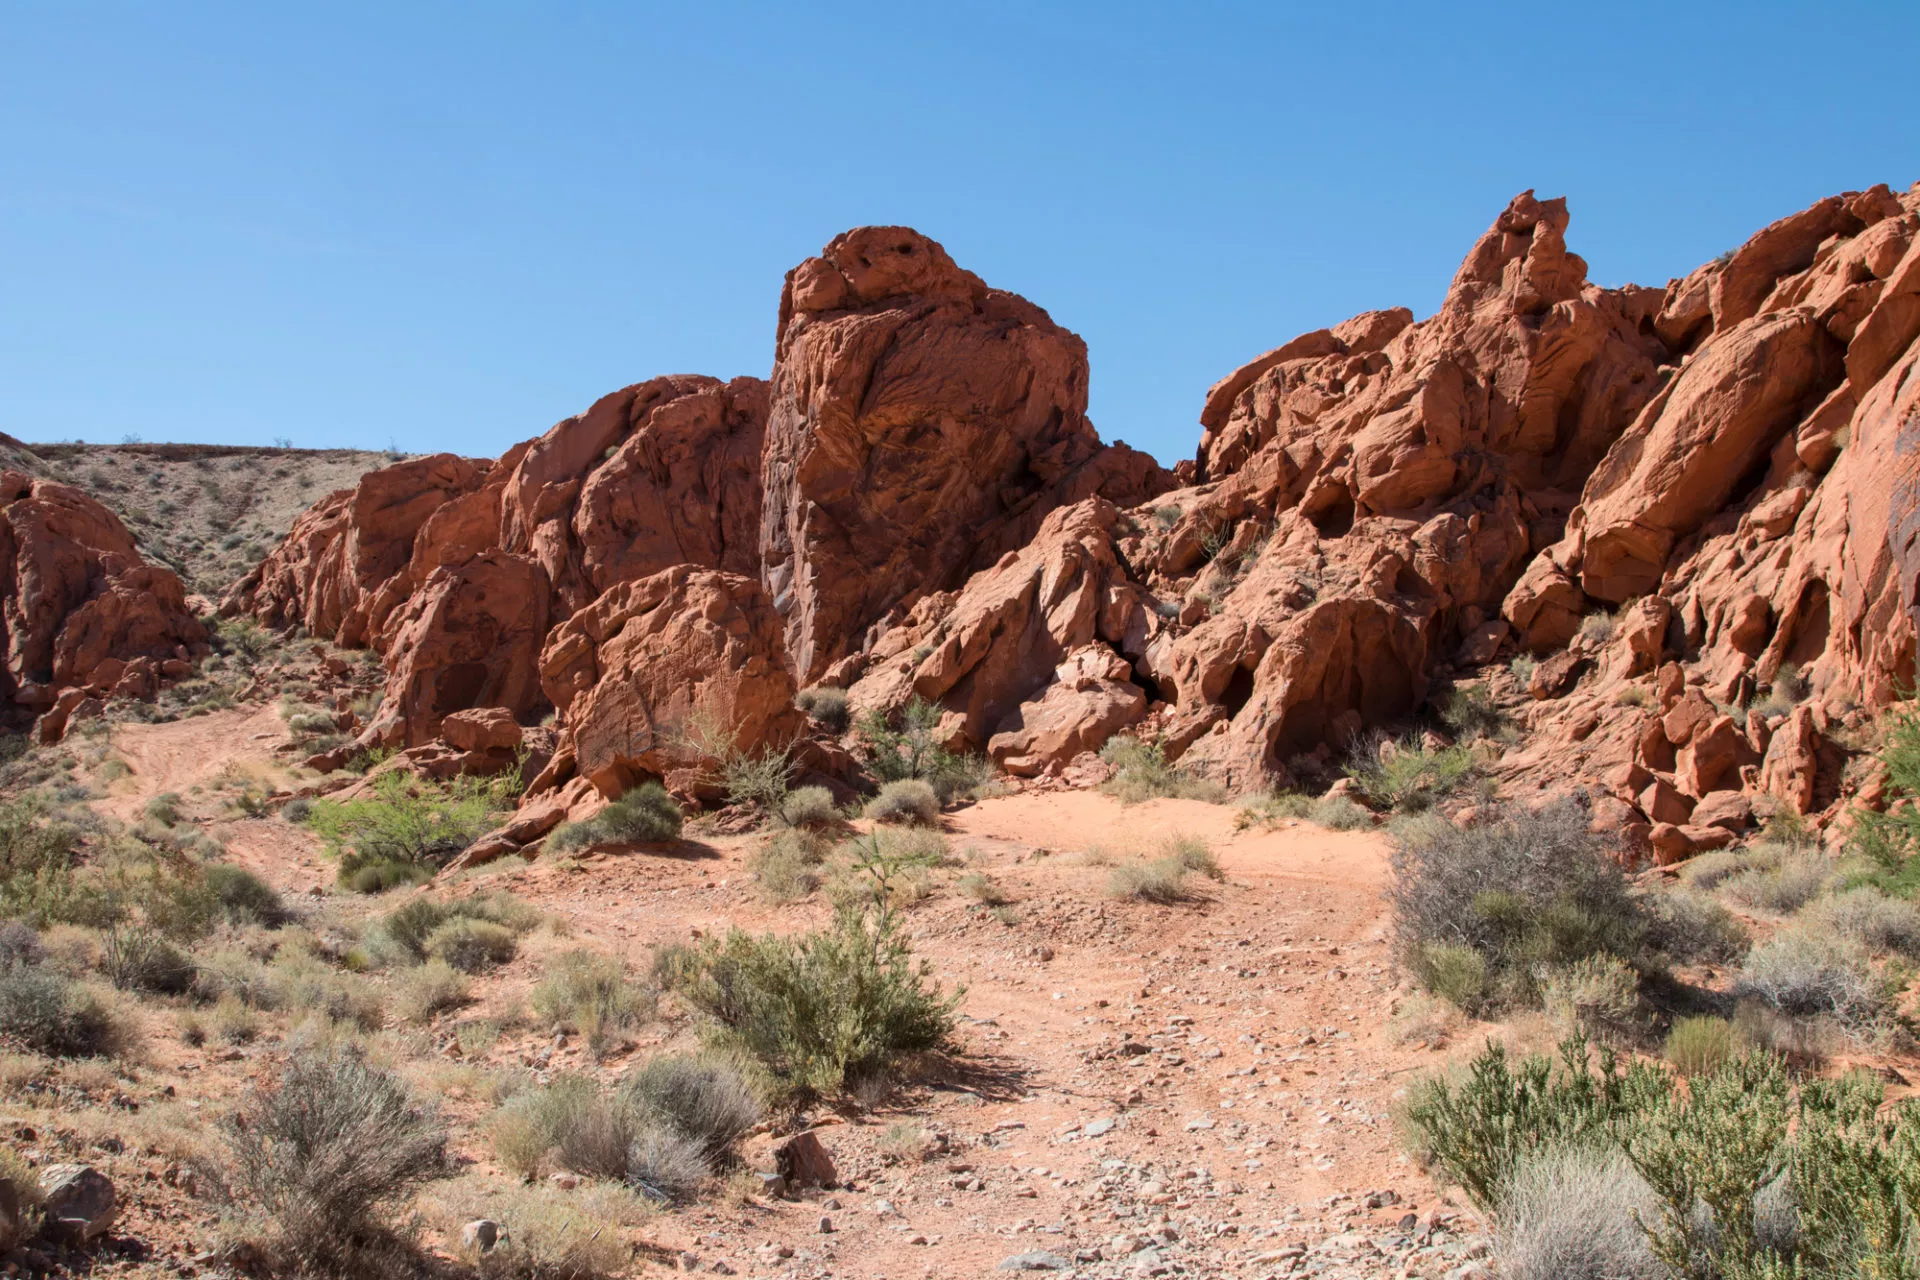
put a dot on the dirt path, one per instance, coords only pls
(1204, 1086)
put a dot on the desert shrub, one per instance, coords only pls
(1142, 772)
(981, 888)
(1161, 880)
(845, 1002)
(1783, 888)
(409, 928)
(553, 1234)
(326, 1152)
(1522, 890)
(164, 808)
(300, 981)
(1574, 1214)
(1502, 1112)
(1688, 927)
(756, 780)
(787, 867)
(707, 1098)
(887, 866)
(1407, 775)
(826, 707)
(1270, 807)
(428, 989)
(44, 1012)
(297, 810)
(1870, 918)
(244, 897)
(19, 944)
(470, 945)
(1709, 870)
(910, 751)
(1192, 853)
(1469, 712)
(1455, 973)
(575, 1124)
(409, 827)
(908, 802)
(1598, 627)
(1596, 994)
(1698, 1045)
(590, 995)
(1891, 837)
(1804, 974)
(811, 809)
(135, 958)
(36, 864)
(1338, 813)
(644, 815)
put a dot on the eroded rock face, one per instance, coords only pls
(81, 613)
(655, 677)
(922, 425)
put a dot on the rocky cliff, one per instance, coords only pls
(1702, 492)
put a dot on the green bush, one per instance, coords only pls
(1596, 994)
(887, 866)
(408, 929)
(1455, 973)
(826, 707)
(908, 802)
(1337, 813)
(1698, 1045)
(409, 827)
(1409, 777)
(45, 1013)
(1141, 772)
(810, 809)
(756, 781)
(135, 958)
(910, 751)
(590, 995)
(471, 946)
(244, 897)
(707, 1098)
(37, 881)
(633, 1135)
(1469, 712)
(819, 1009)
(1892, 837)
(1523, 890)
(644, 815)
(327, 1152)
(428, 989)
(164, 808)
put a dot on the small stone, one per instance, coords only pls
(480, 1235)
(1038, 1260)
(565, 1181)
(78, 1200)
(1098, 1127)
(826, 1225)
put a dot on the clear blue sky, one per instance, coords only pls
(446, 226)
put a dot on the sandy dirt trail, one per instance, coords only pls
(1217, 1068)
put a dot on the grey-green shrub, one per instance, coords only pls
(1522, 890)
(820, 1008)
(1869, 917)
(1688, 926)
(644, 815)
(908, 802)
(1574, 1213)
(705, 1097)
(1783, 888)
(1142, 772)
(590, 994)
(826, 707)
(48, 1014)
(1803, 974)
(471, 946)
(810, 809)
(1338, 813)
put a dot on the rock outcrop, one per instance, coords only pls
(922, 426)
(83, 615)
(1690, 510)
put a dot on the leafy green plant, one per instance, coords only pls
(816, 1010)
(1142, 772)
(1698, 1045)
(409, 827)
(910, 751)
(644, 815)
(1521, 890)
(1891, 837)
(1409, 776)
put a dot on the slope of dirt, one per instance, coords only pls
(1199, 1089)
(208, 512)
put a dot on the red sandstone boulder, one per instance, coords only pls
(482, 729)
(1091, 698)
(922, 424)
(79, 609)
(656, 677)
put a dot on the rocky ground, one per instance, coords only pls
(208, 512)
(1202, 1089)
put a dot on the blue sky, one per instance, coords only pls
(448, 226)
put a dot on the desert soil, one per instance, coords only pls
(1200, 1089)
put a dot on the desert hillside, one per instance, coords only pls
(859, 822)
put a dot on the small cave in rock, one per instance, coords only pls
(1239, 690)
(458, 687)
(1335, 519)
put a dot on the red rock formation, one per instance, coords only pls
(655, 678)
(82, 615)
(922, 425)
